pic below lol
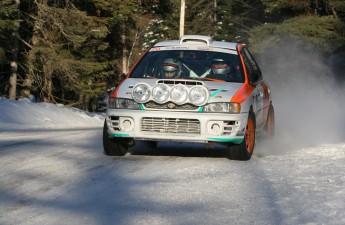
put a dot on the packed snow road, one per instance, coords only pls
(62, 177)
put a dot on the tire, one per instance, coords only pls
(113, 146)
(269, 128)
(244, 151)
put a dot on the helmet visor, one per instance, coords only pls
(170, 67)
(219, 65)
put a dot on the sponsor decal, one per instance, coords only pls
(180, 48)
(155, 49)
(204, 48)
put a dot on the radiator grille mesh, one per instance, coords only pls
(170, 125)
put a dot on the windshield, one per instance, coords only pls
(188, 64)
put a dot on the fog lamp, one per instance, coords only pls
(198, 95)
(179, 94)
(160, 93)
(141, 93)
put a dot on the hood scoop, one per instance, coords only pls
(183, 82)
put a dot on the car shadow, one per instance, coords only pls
(179, 149)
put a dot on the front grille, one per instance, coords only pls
(170, 125)
(154, 105)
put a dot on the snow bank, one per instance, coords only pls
(23, 114)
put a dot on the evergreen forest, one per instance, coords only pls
(71, 51)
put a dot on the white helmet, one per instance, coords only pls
(220, 67)
(171, 65)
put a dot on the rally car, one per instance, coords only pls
(194, 89)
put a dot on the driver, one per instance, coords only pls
(220, 67)
(171, 68)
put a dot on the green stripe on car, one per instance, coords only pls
(118, 135)
(217, 92)
(233, 140)
(141, 106)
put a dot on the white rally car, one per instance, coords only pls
(193, 89)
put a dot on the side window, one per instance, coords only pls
(252, 67)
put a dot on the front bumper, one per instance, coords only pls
(176, 126)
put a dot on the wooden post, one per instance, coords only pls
(182, 15)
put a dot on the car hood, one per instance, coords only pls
(219, 91)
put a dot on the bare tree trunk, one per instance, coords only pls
(182, 17)
(47, 89)
(136, 38)
(12, 93)
(13, 81)
(27, 83)
(215, 11)
(124, 54)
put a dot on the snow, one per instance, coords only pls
(25, 114)
(53, 171)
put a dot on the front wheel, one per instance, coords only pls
(244, 151)
(113, 146)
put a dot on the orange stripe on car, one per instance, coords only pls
(246, 90)
(114, 93)
(243, 93)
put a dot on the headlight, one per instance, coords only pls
(198, 95)
(160, 93)
(179, 94)
(141, 93)
(123, 103)
(223, 107)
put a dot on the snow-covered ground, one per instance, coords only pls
(53, 171)
(24, 114)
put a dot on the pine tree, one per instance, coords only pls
(70, 51)
(67, 53)
(338, 8)
(121, 25)
(237, 18)
(309, 22)
(200, 17)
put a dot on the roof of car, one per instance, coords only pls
(199, 40)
